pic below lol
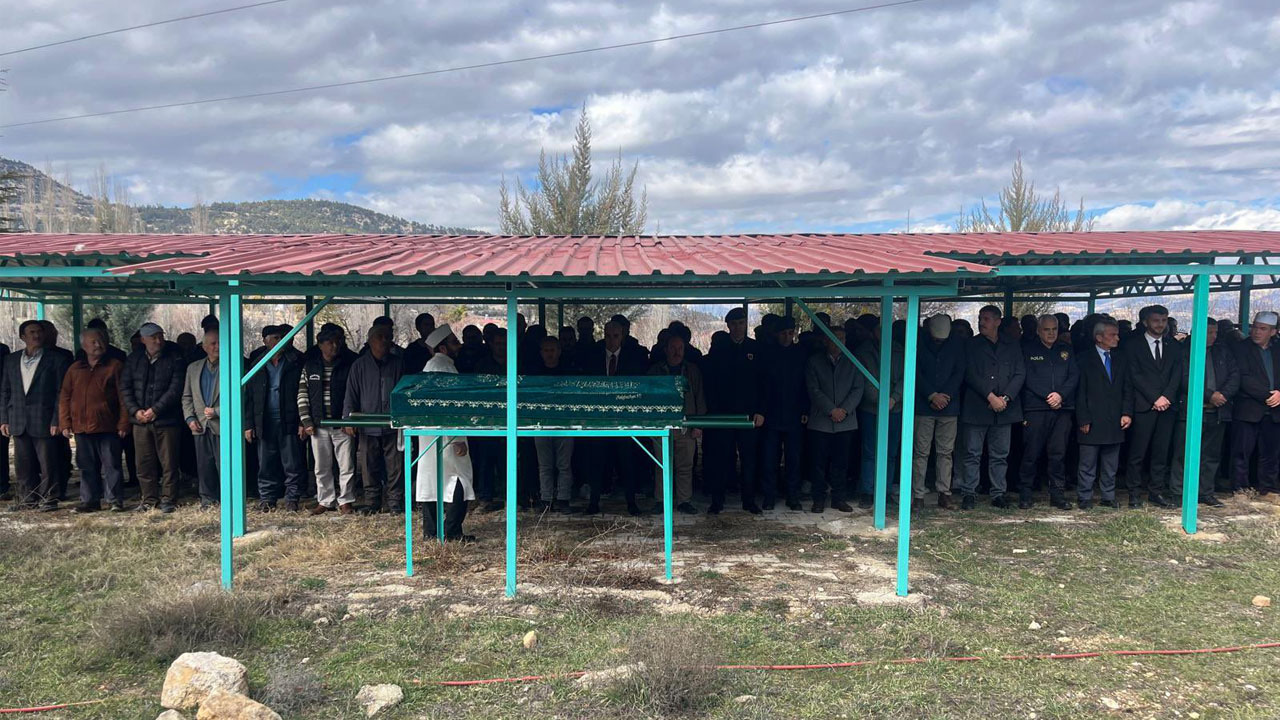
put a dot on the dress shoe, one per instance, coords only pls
(817, 507)
(687, 508)
(346, 508)
(592, 509)
(842, 506)
(321, 509)
(1086, 504)
(767, 505)
(1160, 501)
(865, 502)
(1135, 504)
(633, 510)
(143, 508)
(944, 501)
(1025, 503)
(1000, 502)
(492, 506)
(291, 505)
(468, 540)
(751, 508)
(715, 509)
(167, 508)
(1212, 501)
(84, 508)
(968, 502)
(117, 506)
(267, 506)
(1108, 503)
(794, 505)
(1062, 504)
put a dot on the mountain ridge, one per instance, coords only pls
(69, 210)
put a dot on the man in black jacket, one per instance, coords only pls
(5, 493)
(322, 388)
(785, 406)
(1155, 369)
(994, 373)
(271, 423)
(1048, 397)
(614, 356)
(738, 393)
(1221, 383)
(417, 353)
(369, 383)
(152, 389)
(1103, 412)
(1256, 411)
(939, 380)
(32, 379)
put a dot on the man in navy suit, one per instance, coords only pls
(1104, 411)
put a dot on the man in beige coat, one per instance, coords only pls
(200, 408)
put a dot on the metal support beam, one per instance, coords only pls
(77, 317)
(790, 307)
(882, 410)
(310, 304)
(39, 309)
(668, 504)
(386, 308)
(1246, 287)
(1195, 406)
(284, 342)
(875, 382)
(1008, 303)
(559, 318)
(231, 441)
(512, 467)
(908, 441)
(1093, 302)
(542, 314)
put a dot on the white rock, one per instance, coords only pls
(321, 622)
(744, 699)
(1034, 625)
(1110, 704)
(375, 698)
(530, 640)
(171, 715)
(222, 705)
(1261, 601)
(193, 676)
(605, 678)
(1019, 551)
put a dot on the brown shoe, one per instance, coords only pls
(944, 501)
(346, 508)
(320, 510)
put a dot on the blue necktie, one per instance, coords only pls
(1106, 362)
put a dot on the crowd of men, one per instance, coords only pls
(1067, 406)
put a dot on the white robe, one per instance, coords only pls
(457, 468)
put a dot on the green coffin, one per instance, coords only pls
(446, 400)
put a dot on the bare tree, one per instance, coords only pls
(200, 216)
(28, 207)
(568, 201)
(66, 204)
(112, 211)
(1022, 209)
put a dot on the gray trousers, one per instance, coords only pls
(555, 471)
(997, 438)
(98, 457)
(938, 434)
(1098, 462)
(208, 466)
(683, 450)
(330, 446)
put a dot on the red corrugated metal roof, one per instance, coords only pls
(578, 256)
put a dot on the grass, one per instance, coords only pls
(95, 608)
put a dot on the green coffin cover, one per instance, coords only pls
(447, 400)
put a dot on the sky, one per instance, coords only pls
(1157, 114)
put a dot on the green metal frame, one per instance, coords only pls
(90, 283)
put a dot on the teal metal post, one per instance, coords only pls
(559, 318)
(1195, 406)
(908, 440)
(408, 506)
(285, 341)
(440, 442)
(231, 350)
(1008, 303)
(668, 507)
(311, 324)
(1093, 302)
(542, 314)
(882, 411)
(813, 317)
(226, 458)
(39, 309)
(1246, 288)
(386, 309)
(790, 307)
(511, 443)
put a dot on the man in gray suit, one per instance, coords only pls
(835, 388)
(200, 408)
(29, 416)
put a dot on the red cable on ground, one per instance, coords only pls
(901, 661)
(8, 711)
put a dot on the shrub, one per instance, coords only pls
(292, 688)
(170, 624)
(675, 673)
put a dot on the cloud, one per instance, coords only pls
(1161, 114)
